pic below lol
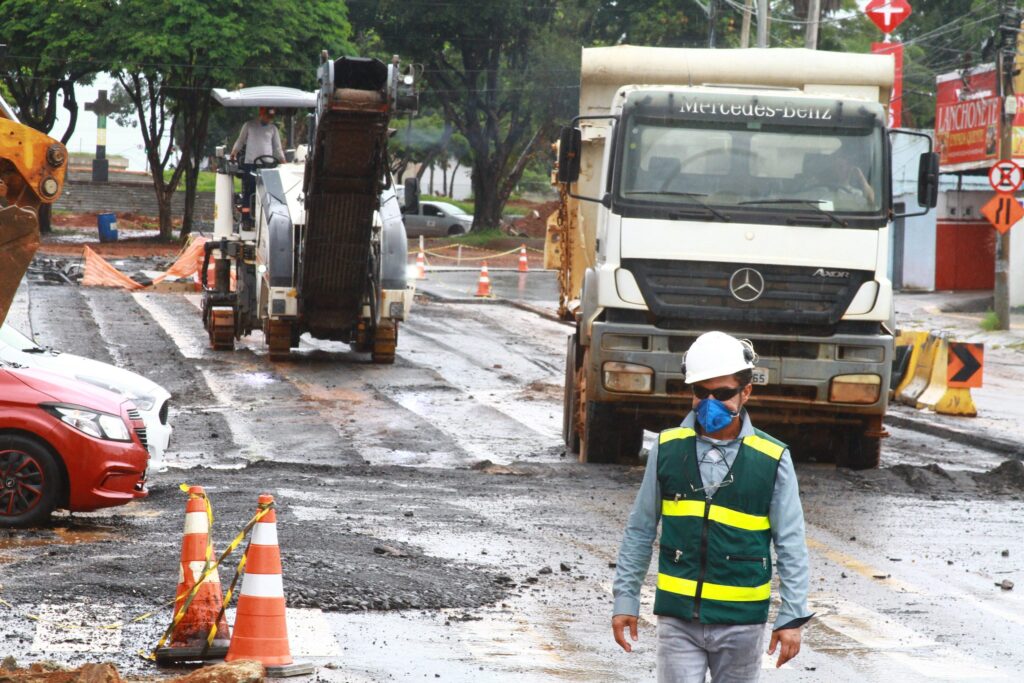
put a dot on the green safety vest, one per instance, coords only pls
(714, 564)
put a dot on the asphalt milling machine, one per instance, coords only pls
(32, 168)
(322, 248)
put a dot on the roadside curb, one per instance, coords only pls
(521, 305)
(969, 438)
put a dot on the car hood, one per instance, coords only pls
(94, 372)
(67, 390)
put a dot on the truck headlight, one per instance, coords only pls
(628, 377)
(91, 422)
(855, 389)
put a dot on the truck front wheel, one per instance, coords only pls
(863, 452)
(608, 438)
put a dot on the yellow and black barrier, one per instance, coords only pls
(940, 373)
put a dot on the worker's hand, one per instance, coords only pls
(619, 624)
(233, 157)
(789, 639)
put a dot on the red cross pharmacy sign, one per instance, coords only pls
(887, 14)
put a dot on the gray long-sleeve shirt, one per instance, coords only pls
(785, 515)
(259, 139)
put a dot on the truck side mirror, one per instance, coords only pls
(569, 146)
(928, 180)
(412, 195)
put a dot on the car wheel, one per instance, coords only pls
(30, 481)
(456, 230)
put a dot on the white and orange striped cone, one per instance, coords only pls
(524, 265)
(483, 284)
(191, 628)
(261, 632)
(421, 265)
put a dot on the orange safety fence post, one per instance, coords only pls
(421, 265)
(483, 284)
(194, 619)
(261, 629)
(524, 265)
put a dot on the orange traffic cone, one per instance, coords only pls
(483, 285)
(524, 265)
(190, 632)
(261, 632)
(421, 266)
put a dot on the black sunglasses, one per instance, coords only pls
(721, 394)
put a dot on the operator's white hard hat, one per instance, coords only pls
(717, 354)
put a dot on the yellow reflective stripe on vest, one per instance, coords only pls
(740, 520)
(772, 450)
(677, 433)
(714, 591)
(722, 515)
(682, 508)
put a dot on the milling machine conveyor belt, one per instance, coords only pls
(343, 184)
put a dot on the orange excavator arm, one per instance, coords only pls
(32, 167)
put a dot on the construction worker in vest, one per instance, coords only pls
(724, 493)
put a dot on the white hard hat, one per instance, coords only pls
(716, 354)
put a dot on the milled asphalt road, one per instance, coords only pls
(431, 524)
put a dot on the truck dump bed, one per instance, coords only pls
(343, 183)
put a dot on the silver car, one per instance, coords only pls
(437, 219)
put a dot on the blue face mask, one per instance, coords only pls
(713, 415)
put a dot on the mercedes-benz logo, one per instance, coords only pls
(747, 285)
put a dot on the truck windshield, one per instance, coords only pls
(821, 171)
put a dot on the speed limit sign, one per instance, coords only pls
(1005, 176)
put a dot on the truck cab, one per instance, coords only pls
(757, 209)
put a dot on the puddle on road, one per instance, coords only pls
(257, 379)
(16, 539)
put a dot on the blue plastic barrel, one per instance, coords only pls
(107, 223)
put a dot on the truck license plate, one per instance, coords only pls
(760, 376)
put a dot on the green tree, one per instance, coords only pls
(501, 73)
(50, 48)
(170, 54)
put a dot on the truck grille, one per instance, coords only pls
(135, 416)
(700, 291)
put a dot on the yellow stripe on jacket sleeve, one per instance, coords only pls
(677, 433)
(772, 450)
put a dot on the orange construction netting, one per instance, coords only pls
(99, 273)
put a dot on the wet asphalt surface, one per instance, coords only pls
(432, 526)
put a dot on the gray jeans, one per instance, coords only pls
(686, 650)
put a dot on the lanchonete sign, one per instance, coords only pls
(967, 121)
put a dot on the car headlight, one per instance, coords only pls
(91, 422)
(143, 403)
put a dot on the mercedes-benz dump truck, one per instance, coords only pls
(747, 191)
(322, 247)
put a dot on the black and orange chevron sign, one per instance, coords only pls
(965, 365)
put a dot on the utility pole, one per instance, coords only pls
(762, 23)
(813, 18)
(748, 9)
(1006, 42)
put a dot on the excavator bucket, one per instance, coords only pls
(32, 167)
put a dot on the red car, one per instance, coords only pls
(67, 444)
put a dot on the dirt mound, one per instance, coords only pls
(1008, 475)
(46, 672)
(922, 479)
(534, 223)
